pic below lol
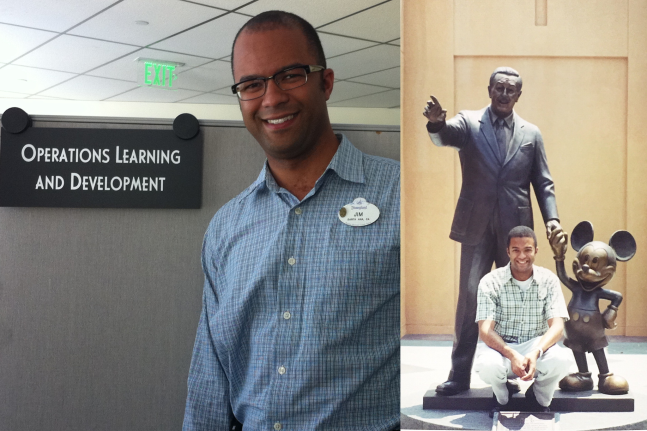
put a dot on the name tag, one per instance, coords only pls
(358, 213)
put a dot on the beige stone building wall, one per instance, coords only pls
(585, 86)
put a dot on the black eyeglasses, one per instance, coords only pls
(288, 79)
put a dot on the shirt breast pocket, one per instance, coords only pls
(376, 236)
(362, 287)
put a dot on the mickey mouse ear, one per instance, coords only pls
(624, 244)
(581, 235)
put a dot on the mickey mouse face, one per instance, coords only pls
(594, 265)
(595, 262)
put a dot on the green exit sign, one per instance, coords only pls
(157, 73)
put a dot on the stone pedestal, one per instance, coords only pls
(481, 399)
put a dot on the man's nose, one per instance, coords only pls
(273, 94)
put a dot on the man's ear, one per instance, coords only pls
(328, 80)
(489, 89)
(519, 95)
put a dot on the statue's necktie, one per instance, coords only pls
(499, 131)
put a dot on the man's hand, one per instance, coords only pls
(519, 364)
(558, 240)
(434, 112)
(551, 225)
(531, 361)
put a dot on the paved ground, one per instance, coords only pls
(426, 362)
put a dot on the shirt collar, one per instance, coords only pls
(346, 163)
(509, 120)
(508, 274)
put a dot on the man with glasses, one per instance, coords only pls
(501, 154)
(300, 322)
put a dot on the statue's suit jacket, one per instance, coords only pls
(490, 183)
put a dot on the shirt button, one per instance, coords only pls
(278, 426)
(292, 261)
(287, 315)
(281, 370)
(298, 211)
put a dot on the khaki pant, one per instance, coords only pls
(495, 370)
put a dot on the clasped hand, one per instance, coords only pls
(524, 366)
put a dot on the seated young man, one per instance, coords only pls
(521, 313)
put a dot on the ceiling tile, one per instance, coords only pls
(88, 48)
(225, 90)
(218, 99)
(387, 99)
(222, 4)
(29, 80)
(208, 77)
(151, 94)
(46, 98)
(381, 23)
(337, 45)
(56, 15)
(368, 60)
(164, 17)
(126, 68)
(212, 39)
(343, 90)
(11, 95)
(386, 78)
(89, 88)
(315, 12)
(74, 54)
(21, 40)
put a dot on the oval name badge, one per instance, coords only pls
(358, 213)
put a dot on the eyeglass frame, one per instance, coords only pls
(308, 68)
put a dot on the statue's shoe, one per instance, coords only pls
(451, 387)
(576, 382)
(612, 385)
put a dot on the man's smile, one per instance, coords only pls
(280, 120)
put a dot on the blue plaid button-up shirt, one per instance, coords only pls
(301, 313)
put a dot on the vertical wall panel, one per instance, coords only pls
(636, 298)
(428, 171)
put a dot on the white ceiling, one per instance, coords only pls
(85, 49)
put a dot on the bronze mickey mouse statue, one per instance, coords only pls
(594, 266)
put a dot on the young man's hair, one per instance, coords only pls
(274, 19)
(521, 232)
(506, 71)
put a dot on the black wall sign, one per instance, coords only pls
(100, 168)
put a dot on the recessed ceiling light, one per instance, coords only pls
(140, 22)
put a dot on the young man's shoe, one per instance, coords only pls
(532, 401)
(513, 388)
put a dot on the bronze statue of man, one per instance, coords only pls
(500, 154)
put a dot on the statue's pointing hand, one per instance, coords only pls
(434, 112)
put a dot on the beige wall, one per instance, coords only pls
(585, 80)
